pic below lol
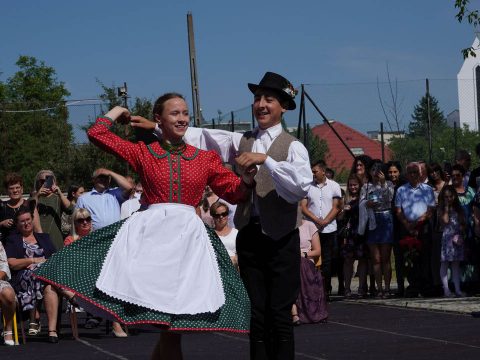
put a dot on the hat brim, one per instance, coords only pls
(289, 101)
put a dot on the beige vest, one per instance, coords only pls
(277, 216)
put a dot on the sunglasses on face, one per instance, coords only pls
(82, 220)
(218, 216)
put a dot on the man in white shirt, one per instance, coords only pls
(322, 205)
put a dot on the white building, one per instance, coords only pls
(468, 80)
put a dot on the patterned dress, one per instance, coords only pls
(173, 183)
(451, 251)
(4, 267)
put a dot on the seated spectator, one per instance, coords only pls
(26, 251)
(51, 203)
(73, 193)
(228, 235)
(81, 225)
(7, 298)
(311, 304)
(14, 186)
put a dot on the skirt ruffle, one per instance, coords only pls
(77, 267)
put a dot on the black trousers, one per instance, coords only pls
(270, 270)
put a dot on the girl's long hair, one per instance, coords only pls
(457, 207)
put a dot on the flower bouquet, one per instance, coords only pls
(411, 249)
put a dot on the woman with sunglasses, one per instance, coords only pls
(219, 212)
(81, 225)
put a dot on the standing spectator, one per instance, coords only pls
(51, 203)
(436, 178)
(322, 206)
(395, 175)
(104, 203)
(353, 246)
(414, 206)
(359, 167)
(219, 212)
(377, 195)
(311, 304)
(466, 195)
(73, 193)
(452, 220)
(422, 165)
(474, 179)
(447, 170)
(463, 158)
(14, 186)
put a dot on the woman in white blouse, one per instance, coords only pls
(228, 236)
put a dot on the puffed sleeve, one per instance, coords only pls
(224, 182)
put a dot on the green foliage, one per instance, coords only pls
(418, 127)
(88, 157)
(445, 140)
(472, 17)
(317, 148)
(34, 131)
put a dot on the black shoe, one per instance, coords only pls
(52, 339)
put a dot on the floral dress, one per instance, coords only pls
(4, 267)
(449, 250)
(29, 290)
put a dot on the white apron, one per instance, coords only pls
(162, 259)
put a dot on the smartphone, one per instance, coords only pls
(48, 182)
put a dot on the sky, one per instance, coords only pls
(339, 49)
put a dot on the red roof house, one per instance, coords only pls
(338, 156)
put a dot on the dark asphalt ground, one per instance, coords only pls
(354, 331)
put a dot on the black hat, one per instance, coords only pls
(280, 85)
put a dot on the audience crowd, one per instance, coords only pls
(427, 217)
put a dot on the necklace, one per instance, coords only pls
(177, 148)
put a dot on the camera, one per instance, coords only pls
(48, 182)
(376, 168)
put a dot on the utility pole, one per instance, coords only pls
(193, 72)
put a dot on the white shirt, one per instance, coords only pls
(320, 198)
(229, 241)
(291, 177)
(129, 207)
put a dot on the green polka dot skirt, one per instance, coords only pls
(76, 267)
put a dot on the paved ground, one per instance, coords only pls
(360, 329)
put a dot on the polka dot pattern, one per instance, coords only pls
(171, 177)
(78, 265)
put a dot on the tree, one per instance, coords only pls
(418, 127)
(34, 132)
(88, 157)
(472, 17)
(317, 148)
